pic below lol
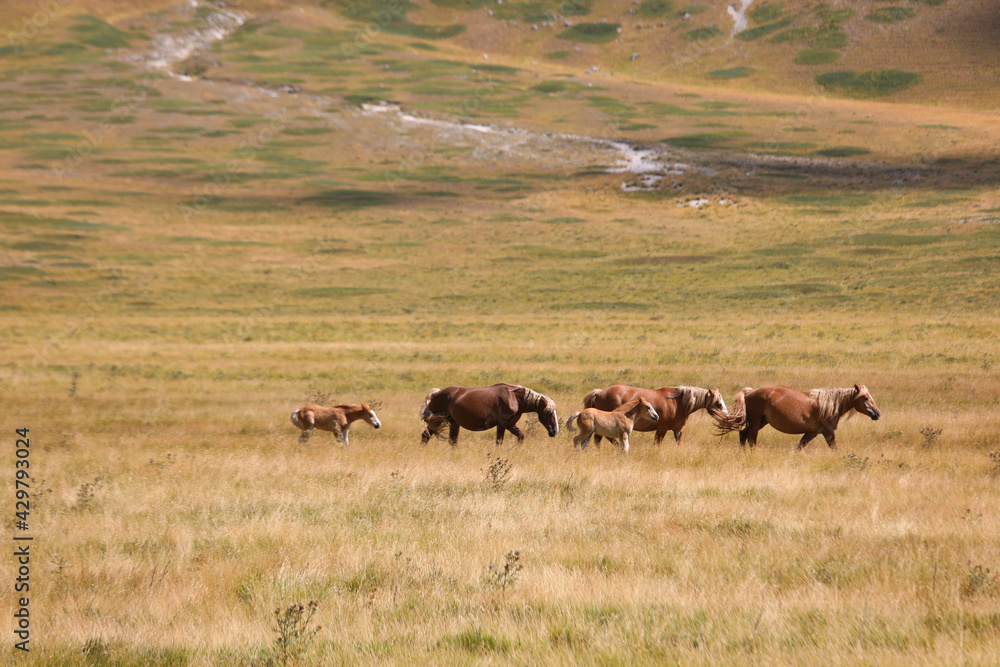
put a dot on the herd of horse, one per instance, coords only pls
(613, 413)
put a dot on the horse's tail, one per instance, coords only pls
(425, 410)
(590, 400)
(304, 420)
(572, 418)
(736, 420)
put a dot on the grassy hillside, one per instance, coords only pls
(326, 203)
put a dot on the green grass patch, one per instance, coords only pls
(610, 105)
(349, 199)
(95, 32)
(557, 55)
(701, 33)
(893, 240)
(634, 127)
(891, 14)
(843, 151)
(778, 147)
(20, 272)
(527, 12)
(831, 39)
(731, 73)
(768, 12)
(576, 7)
(841, 200)
(340, 292)
(706, 139)
(796, 34)
(816, 57)
(874, 83)
(592, 33)
(656, 9)
(764, 30)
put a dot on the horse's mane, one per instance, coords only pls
(536, 401)
(832, 403)
(692, 398)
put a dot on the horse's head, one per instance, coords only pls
(716, 405)
(864, 403)
(369, 416)
(548, 418)
(646, 410)
(425, 409)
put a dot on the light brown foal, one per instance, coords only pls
(336, 419)
(616, 424)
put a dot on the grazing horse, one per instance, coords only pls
(478, 409)
(791, 411)
(673, 404)
(616, 424)
(336, 419)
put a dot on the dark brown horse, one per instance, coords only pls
(477, 409)
(791, 411)
(673, 404)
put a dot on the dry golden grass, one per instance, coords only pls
(155, 348)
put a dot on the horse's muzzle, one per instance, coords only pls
(875, 415)
(553, 432)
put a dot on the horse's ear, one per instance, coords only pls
(857, 389)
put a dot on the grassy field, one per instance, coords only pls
(344, 206)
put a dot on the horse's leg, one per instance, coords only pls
(660, 434)
(625, 442)
(516, 432)
(343, 434)
(831, 439)
(597, 440)
(453, 433)
(310, 424)
(806, 438)
(678, 434)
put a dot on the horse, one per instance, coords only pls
(791, 411)
(673, 404)
(479, 409)
(616, 424)
(336, 419)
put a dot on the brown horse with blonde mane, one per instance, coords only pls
(791, 411)
(615, 425)
(337, 419)
(479, 409)
(673, 404)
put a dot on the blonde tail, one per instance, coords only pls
(737, 418)
(569, 422)
(590, 400)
